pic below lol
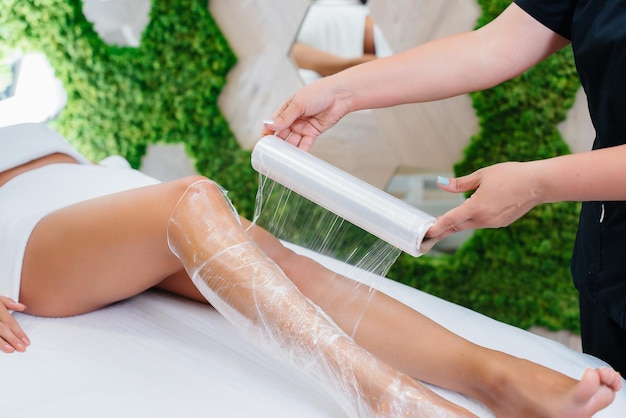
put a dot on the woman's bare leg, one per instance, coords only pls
(416, 345)
(249, 289)
(100, 251)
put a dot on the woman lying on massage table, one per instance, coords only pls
(84, 236)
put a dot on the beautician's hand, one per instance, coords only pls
(503, 193)
(311, 111)
(12, 337)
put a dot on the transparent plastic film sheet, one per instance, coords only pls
(295, 219)
(362, 204)
(313, 329)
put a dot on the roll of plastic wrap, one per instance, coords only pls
(349, 197)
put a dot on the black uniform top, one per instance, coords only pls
(597, 29)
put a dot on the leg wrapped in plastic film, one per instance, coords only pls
(253, 293)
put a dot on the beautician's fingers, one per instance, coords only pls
(427, 244)
(12, 337)
(300, 133)
(459, 218)
(310, 112)
(463, 217)
(503, 193)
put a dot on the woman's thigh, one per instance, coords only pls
(93, 253)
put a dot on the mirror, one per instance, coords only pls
(371, 145)
(335, 35)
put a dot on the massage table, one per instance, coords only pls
(159, 355)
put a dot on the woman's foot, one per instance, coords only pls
(526, 389)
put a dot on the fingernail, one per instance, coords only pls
(26, 341)
(444, 181)
(268, 121)
(8, 349)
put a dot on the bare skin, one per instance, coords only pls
(325, 63)
(131, 255)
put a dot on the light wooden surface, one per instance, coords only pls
(261, 34)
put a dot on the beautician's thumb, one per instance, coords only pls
(287, 114)
(459, 184)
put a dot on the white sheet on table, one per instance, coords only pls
(158, 355)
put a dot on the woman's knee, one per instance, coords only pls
(197, 181)
(179, 188)
(182, 184)
(196, 185)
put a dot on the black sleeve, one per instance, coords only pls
(556, 15)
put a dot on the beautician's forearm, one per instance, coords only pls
(422, 74)
(588, 176)
(451, 66)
